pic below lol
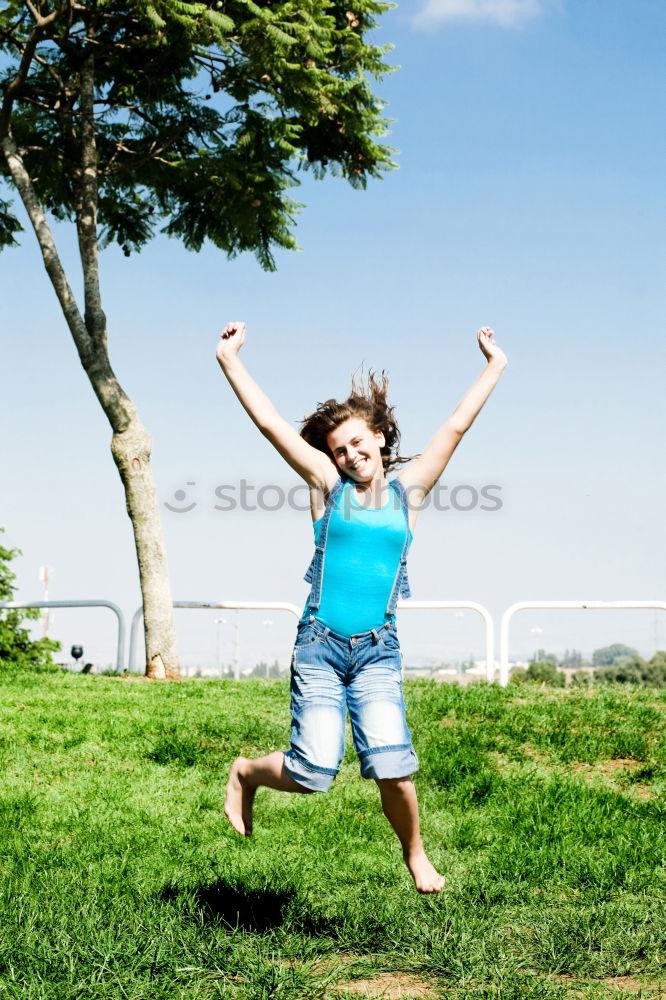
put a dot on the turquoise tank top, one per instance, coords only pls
(363, 550)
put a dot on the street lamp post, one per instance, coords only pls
(537, 630)
(45, 573)
(236, 648)
(224, 621)
(267, 624)
(220, 622)
(459, 670)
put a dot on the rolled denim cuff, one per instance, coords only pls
(315, 779)
(389, 762)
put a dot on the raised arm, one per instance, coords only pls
(316, 468)
(422, 474)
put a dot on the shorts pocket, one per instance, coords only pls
(305, 635)
(389, 639)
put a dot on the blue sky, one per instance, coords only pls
(529, 196)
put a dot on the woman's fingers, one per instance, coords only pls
(486, 338)
(232, 328)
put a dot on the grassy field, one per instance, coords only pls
(120, 878)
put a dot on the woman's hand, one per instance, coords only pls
(231, 341)
(492, 353)
(316, 468)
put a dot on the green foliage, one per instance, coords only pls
(541, 672)
(204, 112)
(635, 670)
(17, 648)
(571, 659)
(609, 655)
(541, 656)
(518, 675)
(263, 669)
(9, 225)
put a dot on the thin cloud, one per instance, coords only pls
(506, 13)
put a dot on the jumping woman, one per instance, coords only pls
(347, 654)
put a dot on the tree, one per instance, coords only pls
(627, 670)
(634, 670)
(541, 656)
(610, 655)
(16, 645)
(542, 672)
(582, 678)
(262, 669)
(188, 118)
(654, 673)
(545, 672)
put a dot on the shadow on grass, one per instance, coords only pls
(256, 910)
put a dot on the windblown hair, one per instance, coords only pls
(367, 401)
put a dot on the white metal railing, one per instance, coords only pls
(560, 605)
(215, 606)
(402, 605)
(295, 610)
(120, 645)
(469, 606)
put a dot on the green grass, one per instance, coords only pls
(120, 878)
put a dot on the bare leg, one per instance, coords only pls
(244, 779)
(402, 811)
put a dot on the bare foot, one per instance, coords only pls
(239, 799)
(426, 877)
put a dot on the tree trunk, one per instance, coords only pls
(130, 444)
(131, 451)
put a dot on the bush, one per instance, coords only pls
(16, 645)
(635, 671)
(654, 673)
(541, 672)
(545, 672)
(614, 655)
(518, 676)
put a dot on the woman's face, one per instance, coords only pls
(356, 450)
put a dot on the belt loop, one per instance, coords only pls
(375, 636)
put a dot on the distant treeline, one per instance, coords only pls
(616, 664)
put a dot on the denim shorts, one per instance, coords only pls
(330, 674)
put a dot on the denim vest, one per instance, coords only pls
(315, 572)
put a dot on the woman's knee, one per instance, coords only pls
(396, 784)
(307, 776)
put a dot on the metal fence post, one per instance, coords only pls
(213, 605)
(560, 605)
(469, 606)
(120, 647)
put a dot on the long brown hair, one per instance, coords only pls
(368, 401)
